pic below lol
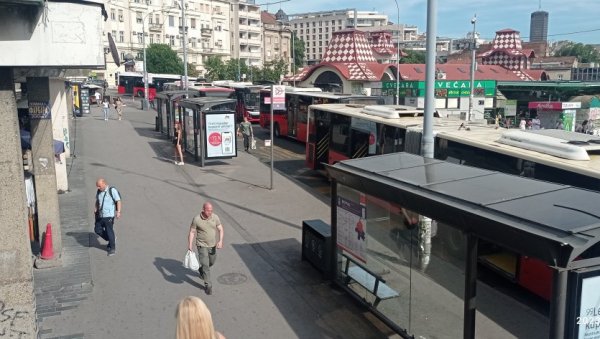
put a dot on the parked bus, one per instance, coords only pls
(126, 81)
(248, 97)
(133, 82)
(292, 122)
(352, 131)
(216, 92)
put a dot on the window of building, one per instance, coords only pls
(301, 25)
(171, 40)
(320, 23)
(314, 37)
(314, 50)
(122, 55)
(320, 43)
(326, 29)
(140, 38)
(314, 30)
(295, 25)
(320, 37)
(151, 38)
(194, 43)
(113, 14)
(157, 21)
(314, 24)
(121, 36)
(121, 15)
(193, 23)
(171, 21)
(139, 56)
(138, 17)
(114, 35)
(320, 30)
(301, 31)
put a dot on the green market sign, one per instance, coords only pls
(443, 88)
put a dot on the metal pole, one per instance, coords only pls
(145, 101)
(427, 141)
(272, 141)
(294, 59)
(472, 90)
(185, 65)
(558, 303)
(398, 55)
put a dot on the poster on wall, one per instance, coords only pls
(352, 227)
(219, 134)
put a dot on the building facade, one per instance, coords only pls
(538, 29)
(277, 40)
(246, 32)
(160, 22)
(316, 28)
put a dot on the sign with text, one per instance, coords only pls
(39, 110)
(278, 94)
(447, 88)
(219, 135)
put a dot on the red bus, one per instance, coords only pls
(138, 90)
(248, 98)
(126, 81)
(292, 122)
(216, 92)
(352, 131)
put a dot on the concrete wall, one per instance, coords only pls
(68, 35)
(17, 304)
(60, 129)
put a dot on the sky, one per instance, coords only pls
(575, 20)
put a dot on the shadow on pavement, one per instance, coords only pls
(310, 305)
(174, 272)
(87, 239)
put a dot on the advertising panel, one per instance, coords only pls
(352, 227)
(220, 135)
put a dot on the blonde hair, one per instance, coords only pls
(194, 320)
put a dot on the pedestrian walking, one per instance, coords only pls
(106, 108)
(119, 107)
(204, 228)
(178, 152)
(194, 320)
(108, 207)
(98, 97)
(245, 130)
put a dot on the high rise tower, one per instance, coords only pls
(538, 29)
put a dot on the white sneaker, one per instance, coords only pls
(181, 163)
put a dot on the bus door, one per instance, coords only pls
(292, 116)
(363, 138)
(317, 145)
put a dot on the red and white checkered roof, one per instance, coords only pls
(381, 43)
(507, 39)
(507, 51)
(349, 46)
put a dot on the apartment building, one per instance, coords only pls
(160, 21)
(316, 28)
(277, 39)
(246, 32)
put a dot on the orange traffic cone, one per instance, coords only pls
(47, 250)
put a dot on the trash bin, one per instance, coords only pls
(156, 127)
(316, 244)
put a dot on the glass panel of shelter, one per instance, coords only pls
(426, 290)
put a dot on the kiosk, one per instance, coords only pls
(408, 235)
(209, 128)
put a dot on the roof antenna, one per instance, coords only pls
(540, 5)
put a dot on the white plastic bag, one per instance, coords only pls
(191, 261)
(253, 143)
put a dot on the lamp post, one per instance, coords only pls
(473, 50)
(184, 45)
(146, 102)
(398, 55)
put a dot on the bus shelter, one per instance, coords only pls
(409, 235)
(166, 109)
(550, 113)
(208, 127)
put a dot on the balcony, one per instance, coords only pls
(206, 31)
(155, 28)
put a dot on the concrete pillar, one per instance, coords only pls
(60, 129)
(42, 148)
(16, 278)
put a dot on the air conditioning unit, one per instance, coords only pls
(121, 18)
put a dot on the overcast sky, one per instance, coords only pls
(575, 20)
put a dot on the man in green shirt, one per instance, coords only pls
(245, 130)
(204, 228)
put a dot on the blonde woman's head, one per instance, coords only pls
(194, 320)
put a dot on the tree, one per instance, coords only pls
(160, 58)
(298, 51)
(584, 53)
(234, 69)
(413, 57)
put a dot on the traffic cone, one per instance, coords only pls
(47, 250)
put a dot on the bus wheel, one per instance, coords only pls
(276, 131)
(140, 94)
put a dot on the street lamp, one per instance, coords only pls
(398, 55)
(473, 50)
(146, 102)
(184, 45)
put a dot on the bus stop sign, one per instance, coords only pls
(278, 95)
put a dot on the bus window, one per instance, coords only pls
(340, 132)
(359, 144)
(391, 139)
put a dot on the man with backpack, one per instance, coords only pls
(107, 208)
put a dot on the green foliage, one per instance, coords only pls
(160, 58)
(298, 52)
(413, 57)
(584, 53)
(233, 69)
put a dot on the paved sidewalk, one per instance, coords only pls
(261, 287)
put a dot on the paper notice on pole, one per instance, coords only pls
(267, 143)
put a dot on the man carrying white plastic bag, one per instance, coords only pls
(191, 261)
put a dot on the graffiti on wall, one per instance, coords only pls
(13, 322)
